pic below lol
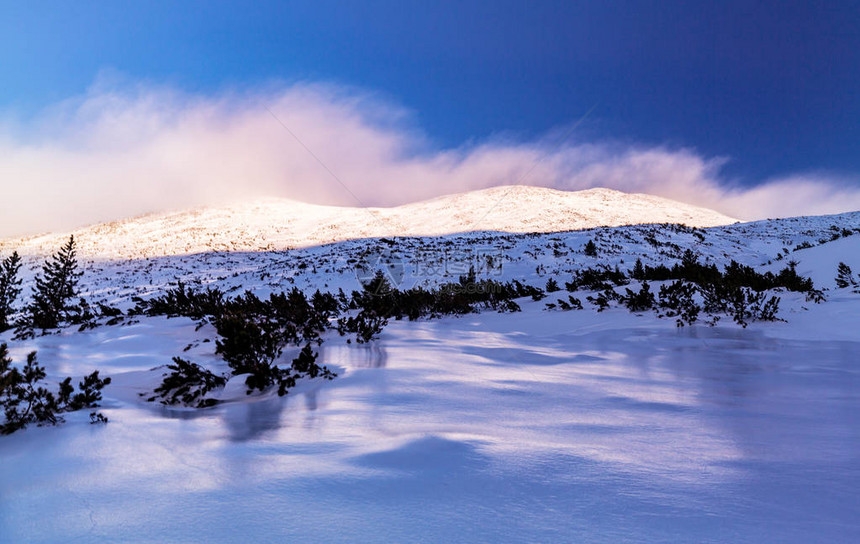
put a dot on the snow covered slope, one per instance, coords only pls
(277, 224)
(427, 261)
(535, 426)
(820, 262)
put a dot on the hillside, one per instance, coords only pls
(520, 410)
(273, 224)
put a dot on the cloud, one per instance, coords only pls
(122, 150)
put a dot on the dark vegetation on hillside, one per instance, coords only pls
(738, 291)
(25, 398)
(254, 333)
(845, 278)
(252, 336)
(24, 395)
(53, 302)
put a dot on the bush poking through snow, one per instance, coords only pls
(639, 301)
(25, 399)
(182, 301)
(467, 295)
(596, 279)
(253, 338)
(571, 303)
(366, 325)
(678, 298)
(188, 383)
(733, 275)
(747, 305)
(844, 276)
(252, 335)
(88, 395)
(254, 332)
(601, 301)
(249, 345)
(737, 290)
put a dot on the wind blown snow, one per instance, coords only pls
(127, 149)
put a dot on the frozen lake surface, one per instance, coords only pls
(532, 427)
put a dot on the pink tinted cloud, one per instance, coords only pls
(117, 152)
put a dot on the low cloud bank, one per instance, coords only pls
(128, 150)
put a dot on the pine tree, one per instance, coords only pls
(25, 399)
(844, 276)
(10, 288)
(638, 272)
(56, 286)
(591, 249)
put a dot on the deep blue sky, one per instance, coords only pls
(775, 86)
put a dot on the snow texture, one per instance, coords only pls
(273, 224)
(539, 426)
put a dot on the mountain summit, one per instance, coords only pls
(269, 224)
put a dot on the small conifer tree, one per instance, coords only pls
(25, 399)
(638, 272)
(844, 276)
(56, 286)
(591, 249)
(10, 288)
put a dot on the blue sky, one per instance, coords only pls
(775, 86)
(745, 94)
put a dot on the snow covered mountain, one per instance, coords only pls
(273, 224)
(522, 414)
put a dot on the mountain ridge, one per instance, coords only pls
(272, 224)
